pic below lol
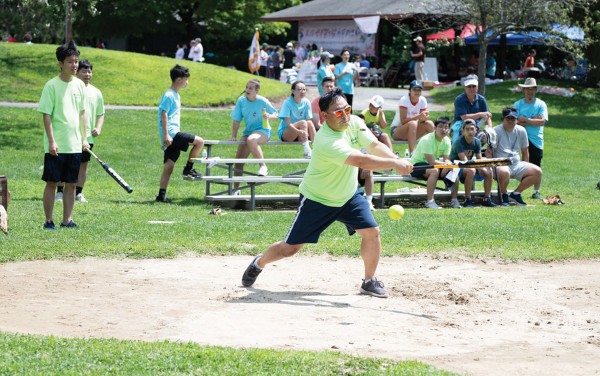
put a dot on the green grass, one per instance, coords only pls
(124, 78)
(34, 355)
(114, 224)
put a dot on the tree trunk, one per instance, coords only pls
(69, 21)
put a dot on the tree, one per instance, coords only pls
(498, 17)
(43, 19)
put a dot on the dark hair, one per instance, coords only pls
(178, 71)
(327, 79)
(85, 64)
(442, 120)
(296, 84)
(507, 110)
(66, 50)
(328, 98)
(345, 50)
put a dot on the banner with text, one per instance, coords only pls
(333, 36)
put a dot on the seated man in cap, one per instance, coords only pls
(512, 142)
(533, 115)
(470, 105)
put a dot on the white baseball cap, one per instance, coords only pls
(471, 80)
(377, 101)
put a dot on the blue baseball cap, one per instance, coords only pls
(415, 83)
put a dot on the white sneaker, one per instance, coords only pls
(431, 205)
(455, 204)
(237, 192)
(80, 198)
(263, 171)
(308, 154)
(372, 206)
(58, 197)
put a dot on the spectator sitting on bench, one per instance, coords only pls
(511, 139)
(327, 86)
(375, 120)
(431, 147)
(411, 120)
(296, 119)
(470, 105)
(255, 110)
(464, 149)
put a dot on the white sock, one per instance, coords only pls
(433, 200)
(536, 191)
(256, 263)
(370, 198)
(306, 147)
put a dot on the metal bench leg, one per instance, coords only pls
(382, 194)
(252, 196)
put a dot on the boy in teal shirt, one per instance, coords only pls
(63, 109)
(172, 139)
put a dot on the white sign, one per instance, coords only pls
(333, 36)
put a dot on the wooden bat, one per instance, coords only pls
(475, 163)
(112, 173)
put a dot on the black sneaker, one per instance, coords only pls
(504, 199)
(487, 201)
(49, 226)
(191, 175)
(162, 199)
(517, 199)
(251, 273)
(373, 287)
(71, 224)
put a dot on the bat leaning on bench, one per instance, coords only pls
(474, 163)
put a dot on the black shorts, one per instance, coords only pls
(420, 174)
(85, 156)
(535, 155)
(61, 168)
(312, 218)
(181, 142)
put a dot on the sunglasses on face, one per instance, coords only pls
(339, 113)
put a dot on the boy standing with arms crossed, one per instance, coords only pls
(94, 111)
(174, 141)
(62, 106)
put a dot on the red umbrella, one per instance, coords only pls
(446, 34)
(469, 30)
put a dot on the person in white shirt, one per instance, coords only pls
(411, 121)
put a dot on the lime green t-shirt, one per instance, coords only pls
(63, 101)
(428, 144)
(328, 180)
(94, 107)
(371, 119)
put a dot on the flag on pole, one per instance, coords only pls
(253, 63)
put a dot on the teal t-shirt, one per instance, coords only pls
(428, 144)
(294, 111)
(328, 180)
(170, 103)
(94, 107)
(251, 112)
(346, 82)
(64, 102)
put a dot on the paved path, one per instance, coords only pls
(361, 99)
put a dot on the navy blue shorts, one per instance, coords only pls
(312, 218)
(85, 156)
(180, 143)
(61, 168)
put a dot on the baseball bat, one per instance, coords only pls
(475, 163)
(112, 173)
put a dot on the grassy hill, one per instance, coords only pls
(125, 78)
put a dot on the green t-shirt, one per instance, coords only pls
(428, 144)
(63, 101)
(94, 107)
(371, 119)
(328, 180)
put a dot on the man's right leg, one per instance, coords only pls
(275, 252)
(48, 199)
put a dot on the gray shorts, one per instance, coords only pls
(518, 169)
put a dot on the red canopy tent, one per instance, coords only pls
(446, 34)
(469, 30)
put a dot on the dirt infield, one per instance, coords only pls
(480, 317)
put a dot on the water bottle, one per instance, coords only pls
(265, 122)
(204, 153)
(406, 153)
